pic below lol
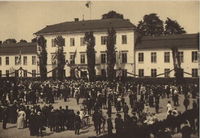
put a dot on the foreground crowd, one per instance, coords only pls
(29, 104)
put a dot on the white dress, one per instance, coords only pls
(21, 119)
(169, 108)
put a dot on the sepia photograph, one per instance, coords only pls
(99, 69)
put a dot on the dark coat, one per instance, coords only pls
(77, 122)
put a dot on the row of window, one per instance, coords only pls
(24, 73)
(123, 58)
(167, 72)
(72, 41)
(83, 58)
(103, 58)
(122, 73)
(18, 60)
(167, 57)
(72, 59)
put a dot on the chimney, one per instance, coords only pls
(76, 19)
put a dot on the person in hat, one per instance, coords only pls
(77, 95)
(77, 123)
(27, 111)
(39, 125)
(57, 120)
(62, 118)
(32, 123)
(186, 130)
(109, 126)
(97, 118)
(51, 120)
(125, 108)
(186, 102)
(5, 116)
(119, 125)
(157, 101)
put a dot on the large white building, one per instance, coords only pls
(74, 32)
(149, 57)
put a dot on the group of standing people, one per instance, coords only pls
(97, 97)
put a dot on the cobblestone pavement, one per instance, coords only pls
(13, 132)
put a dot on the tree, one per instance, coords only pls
(22, 41)
(10, 41)
(34, 40)
(112, 14)
(173, 27)
(178, 71)
(60, 42)
(111, 55)
(151, 25)
(90, 42)
(41, 41)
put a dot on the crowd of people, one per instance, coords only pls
(30, 104)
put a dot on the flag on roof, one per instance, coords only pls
(88, 4)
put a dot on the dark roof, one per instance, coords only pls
(88, 25)
(162, 42)
(13, 49)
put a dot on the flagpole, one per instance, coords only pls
(90, 10)
(89, 5)
(20, 57)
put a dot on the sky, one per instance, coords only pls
(21, 19)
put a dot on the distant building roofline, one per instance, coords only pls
(169, 41)
(86, 25)
(16, 48)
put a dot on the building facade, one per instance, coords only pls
(149, 57)
(18, 60)
(154, 57)
(74, 32)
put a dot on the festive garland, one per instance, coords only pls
(75, 67)
(160, 73)
(156, 75)
(28, 71)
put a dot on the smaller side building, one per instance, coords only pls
(154, 57)
(16, 56)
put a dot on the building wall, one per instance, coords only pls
(131, 66)
(12, 67)
(160, 65)
(99, 48)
